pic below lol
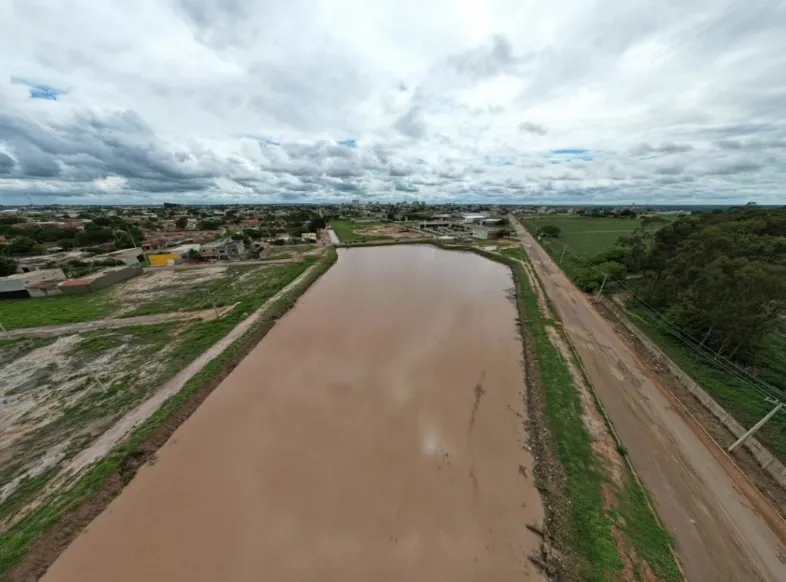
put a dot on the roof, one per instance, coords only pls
(75, 282)
(185, 248)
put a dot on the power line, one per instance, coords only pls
(715, 359)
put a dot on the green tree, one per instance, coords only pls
(549, 231)
(181, 222)
(8, 266)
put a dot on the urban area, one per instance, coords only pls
(644, 334)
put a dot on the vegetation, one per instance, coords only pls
(7, 266)
(708, 289)
(237, 283)
(590, 521)
(22, 535)
(346, 230)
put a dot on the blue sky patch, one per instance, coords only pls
(571, 154)
(40, 90)
(348, 143)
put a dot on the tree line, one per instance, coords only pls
(719, 276)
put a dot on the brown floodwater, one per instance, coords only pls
(375, 434)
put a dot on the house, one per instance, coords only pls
(125, 256)
(100, 280)
(172, 256)
(309, 237)
(32, 284)
(224, 250)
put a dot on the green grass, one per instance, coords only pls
(19, 538)
(346, 230)
(585, 236)
(590, 522)
(745, 405)
(248, 285)
(35, 312)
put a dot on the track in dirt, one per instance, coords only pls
(375, 434)
(703, 499)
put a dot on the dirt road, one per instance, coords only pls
(703, 499)
(375, 434)
(113, 323)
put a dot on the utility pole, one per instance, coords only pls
(756, 426)
(602, 285)
(213, 301)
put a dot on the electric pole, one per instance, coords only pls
(602, 285)
(748, 434)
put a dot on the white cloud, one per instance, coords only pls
(450, 99)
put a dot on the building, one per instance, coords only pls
(100, 280)
(173, 256)
(125, 256)
(474, 218)
(223, 250)
(309, 237)
(32, 284)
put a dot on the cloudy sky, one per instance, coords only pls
(668, 101)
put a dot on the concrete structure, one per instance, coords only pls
(223, 250)
(126, 256)
(100, 280)
(32, 284)
(309, 237)
(474, 218)
(163, 259)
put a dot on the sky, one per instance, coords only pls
(499, 101)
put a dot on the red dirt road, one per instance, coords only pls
(702, 498)
(373, 435)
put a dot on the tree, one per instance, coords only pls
(181, 222)
(21, 245)
(8, 266)
(194, 255)
(316, 224)
(549, 231)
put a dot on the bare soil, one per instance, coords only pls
(376, 434)
(720, 522)
(387, 230)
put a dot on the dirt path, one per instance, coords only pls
(375, 434)
(713, 512)
(71, 328)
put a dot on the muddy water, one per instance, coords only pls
(374, 435)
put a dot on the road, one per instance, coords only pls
(718, 519)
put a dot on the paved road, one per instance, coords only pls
(719, 521)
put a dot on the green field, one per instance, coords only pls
(179, 290)
(346, 230)
(585, 236)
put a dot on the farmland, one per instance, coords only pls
(586, 236)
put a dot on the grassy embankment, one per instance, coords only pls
(580, 522)
(347, 231)
(587, 524)
(108, 476)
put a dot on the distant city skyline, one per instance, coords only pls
(566, 102)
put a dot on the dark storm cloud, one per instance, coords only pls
(7, 163)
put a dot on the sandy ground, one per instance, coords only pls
(714, 513)
(372, 435)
